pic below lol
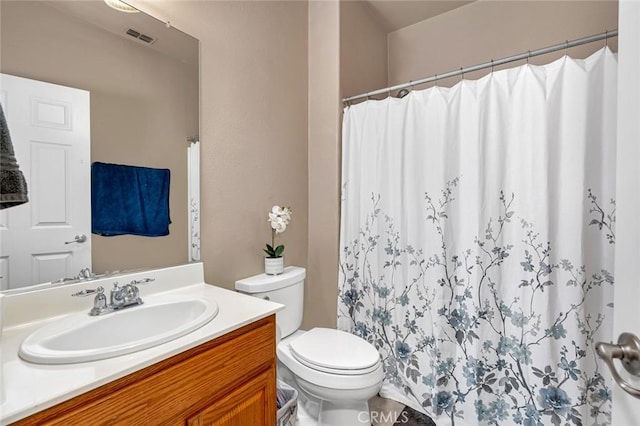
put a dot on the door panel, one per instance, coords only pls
(626, 409)
(50, 189)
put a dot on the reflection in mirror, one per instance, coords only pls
(140, 79)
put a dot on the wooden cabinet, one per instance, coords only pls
(246, 405)
(228, 381)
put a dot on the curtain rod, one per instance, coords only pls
(526, 55)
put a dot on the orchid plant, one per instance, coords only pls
(279, 218)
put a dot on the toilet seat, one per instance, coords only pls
(335, 352)
(335, 379)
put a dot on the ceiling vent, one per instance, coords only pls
(146, 39)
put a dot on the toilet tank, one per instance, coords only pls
(286, 288)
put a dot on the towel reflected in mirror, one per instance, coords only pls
(129, 200)
(13, 186)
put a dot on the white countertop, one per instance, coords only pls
(27, 388)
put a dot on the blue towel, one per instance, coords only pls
(129, 200)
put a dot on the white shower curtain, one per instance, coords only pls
(477, 241)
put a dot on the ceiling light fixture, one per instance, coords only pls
(121, 6)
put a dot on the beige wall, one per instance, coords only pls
(347, 54)
(253, 98)
(487, 29)
(363, 49)
(324, 148)
(143, 106)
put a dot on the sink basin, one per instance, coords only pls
(80, 337)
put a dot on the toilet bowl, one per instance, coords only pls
(337, 380)
(335, 372)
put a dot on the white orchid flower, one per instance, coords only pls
(286, 214)
(276, 223)
(279, 218)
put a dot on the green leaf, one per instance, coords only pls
(269, 247)
(279, 250)
(268, 252)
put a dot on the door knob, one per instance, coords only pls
(78, 239)
(628, 352)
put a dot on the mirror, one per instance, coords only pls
(142, 79)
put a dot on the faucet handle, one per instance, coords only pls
(142, 281)
(89, 291)
(85, 273)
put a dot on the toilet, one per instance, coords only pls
(334, 372)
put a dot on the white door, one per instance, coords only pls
(50, 131)
(626, 408)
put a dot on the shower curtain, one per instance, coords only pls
(477, 240)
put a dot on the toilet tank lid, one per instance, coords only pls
(263, 282)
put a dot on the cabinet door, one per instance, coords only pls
(249, 404)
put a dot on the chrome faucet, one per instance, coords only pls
(84, 274)
(119, 298)
(99, 302)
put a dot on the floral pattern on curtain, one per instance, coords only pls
(477, 238)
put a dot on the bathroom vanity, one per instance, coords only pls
(222, 373)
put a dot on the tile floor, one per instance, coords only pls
(384, 412)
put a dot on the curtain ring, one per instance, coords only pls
(528, 56)
(492, 66)
(461, 74)
(435, 81)
(606, 38)
(566, 47)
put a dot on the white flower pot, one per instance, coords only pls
(273, 265)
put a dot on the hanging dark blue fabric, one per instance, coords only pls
(129, 200)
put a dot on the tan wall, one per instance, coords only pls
(486, 29)
(324, 148)
(347, 54)
(133, 89)
(253, 98)
(363, 49)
